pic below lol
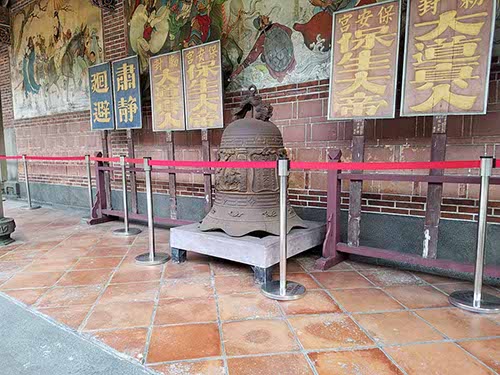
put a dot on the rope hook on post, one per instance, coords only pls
(283, 290)
(475, 300)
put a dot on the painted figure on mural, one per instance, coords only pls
(54, 42)
(30, 84)
(291, 45)
(273, 46)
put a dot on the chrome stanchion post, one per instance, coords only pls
(475, 300)
(127, 231)
(151, 258)
(89, 183)
(30, 206)
(282, 289)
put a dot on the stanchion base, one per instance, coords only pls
(32, 207)
(293, 291)
(124, 233)
(464, 299)
(159, 258)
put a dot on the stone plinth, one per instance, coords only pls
(7, 227)
(260, 253)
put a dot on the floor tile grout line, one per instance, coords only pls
(153, 316)
(474, 357)
(297, 340)
(105, 286)
(219, 320)
(92, 341)
(35, 304)
(377, 344)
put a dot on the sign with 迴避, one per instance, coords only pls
(447, 57)
(203, 86)
(365, 52)
(101, 97)
(127, 92)
(167, 92)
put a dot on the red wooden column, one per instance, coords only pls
(434, 190)
(330, 256)
(172, 182)
(356, 187)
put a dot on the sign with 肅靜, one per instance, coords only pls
(365, 50)
(167, 92)
(447, 57)
(203, 86)
(127, 90)
(101, 97)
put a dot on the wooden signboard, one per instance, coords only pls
(203, 86)
(127, 90)
(101, 97)
(365, 62)
(167, 92)
(447, 57)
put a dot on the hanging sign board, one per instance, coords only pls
(447, 57)
(365, 53)
(127, 90)
(203, 86)
(101, 97)
(167, 92)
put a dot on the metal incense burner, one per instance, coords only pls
(247, 200)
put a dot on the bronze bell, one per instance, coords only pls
(247, 200)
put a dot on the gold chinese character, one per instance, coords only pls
(213, 51)
(166, 75)
(126, 77)
(426, 6)
(157, 64)
(344, 22)
(127, 109)
(366, 39)
(361, 104)
(204, 69)
(173, 61)
(101, 112)
(201, 54)
(362, 80)
(385, 14)
(450, 20)
(100, 82)
(364, 17)
(365, 61)
(443, 92)
(190, 56)
(468, 4)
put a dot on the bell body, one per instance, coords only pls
(247, 200)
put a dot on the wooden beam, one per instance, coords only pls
(331, 256)
(434, 190)
(356, 186)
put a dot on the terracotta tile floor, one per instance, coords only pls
(206, 316)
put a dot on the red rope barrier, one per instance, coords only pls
(56, 158)
(462, 164)
(214, 164)
(465, 164)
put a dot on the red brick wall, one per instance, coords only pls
(300, 112)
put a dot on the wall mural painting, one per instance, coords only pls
(263, 42)
(53, 44)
